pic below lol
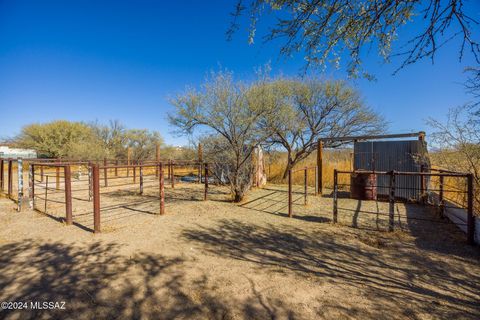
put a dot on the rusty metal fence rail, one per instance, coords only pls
(48, 178)
(138, 177)
(305, 173)
(432, 193)
(65, 190)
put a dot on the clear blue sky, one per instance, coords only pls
(101, 60)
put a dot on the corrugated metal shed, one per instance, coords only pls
(401, 155)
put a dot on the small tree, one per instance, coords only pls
(77, 140)
(143, 143)
(306, 110)
(112, 138)
(458, 140)
(59, 139)
(115, 138)
(217, 153)
(223, 108)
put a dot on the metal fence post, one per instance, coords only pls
(45, 195)
(470, 217)
(31, 185)
(316, 180)
(162, 189)
(116, 168)
(129, 154)
(206, 182)
(422, 184)
(290, 214)
(57, 178)
(141, 179)
(2, 174)
(305, 182)
(320, 166)
(200, 173)
(105, 172)
(9, 182)
(41, 173)
(134, 172)
(335, 196)
(169, 169)
(20, 184)
(441, 201)
(157, 157)
(173, 174)
(90, 181)
(96, 199)
(67, 180)
(391, 198)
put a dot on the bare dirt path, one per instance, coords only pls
(218, 260)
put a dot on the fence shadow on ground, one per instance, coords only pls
(274, 200)
(390, 277)
(422, 221)
(96, 281)
(127, 202)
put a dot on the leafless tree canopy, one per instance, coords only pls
(458, 142)
(473, 83)
(309, 109)
(325, 30)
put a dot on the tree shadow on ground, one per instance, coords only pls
(394, 275)
(97, 281)
(435, 233)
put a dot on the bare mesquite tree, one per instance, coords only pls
(224, 108)
(115, 138)
(309, 109)
(326, 30)
(143, 143)
(217, 152)
(458, 142)
(112, 138)
(473, 84)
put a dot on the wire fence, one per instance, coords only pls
(432, 191)
(81, 192)
(306, 176)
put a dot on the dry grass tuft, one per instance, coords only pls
(332, 159)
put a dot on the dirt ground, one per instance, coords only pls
(218, 260)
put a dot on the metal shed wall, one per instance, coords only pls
(402, 155)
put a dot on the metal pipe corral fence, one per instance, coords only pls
(439, 194)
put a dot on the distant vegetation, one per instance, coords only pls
(78, 140)
(457, 146)
(340, 159)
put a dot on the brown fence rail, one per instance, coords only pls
(429, 193)
(305, 173)
(63, 189)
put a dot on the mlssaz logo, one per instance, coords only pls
(47, 305)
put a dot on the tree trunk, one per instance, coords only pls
(238, 196)
(290, 165)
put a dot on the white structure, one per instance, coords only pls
(7, 152)
(259, 173)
